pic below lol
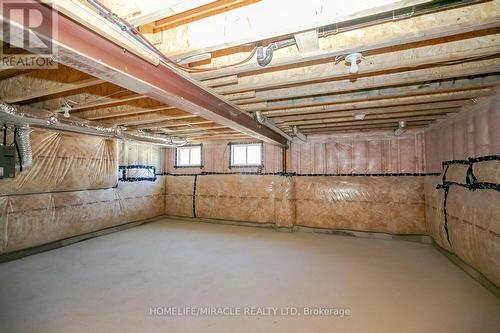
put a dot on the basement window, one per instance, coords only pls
(246, 154)
(188, 156)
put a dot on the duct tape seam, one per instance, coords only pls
(194, 195)
(138, 173)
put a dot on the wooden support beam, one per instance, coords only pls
(382, 36)
(387, 110)
(373, 121)
(379, 94)
(222, 81)
(158, 10)
(396, 116)
(193, 129)
(212, 8)
(392, 79)
(240, 96)
(135, 107)
(204, 138)
(171, 124)
(204, 133)
(149, 118)
(373, 127)
(380, 103)
(107, 101)
(399, 60)
(106, 114)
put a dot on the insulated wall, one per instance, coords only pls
(364, 154)
(462, 215)
(72, 188)
(473, 133)
(385, 195)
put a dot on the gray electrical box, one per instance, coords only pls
(7, 161)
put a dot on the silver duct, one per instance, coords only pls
(24, 135)
(44, 119)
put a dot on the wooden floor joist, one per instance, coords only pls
(393, 79)
(420, 89)
(408, 58)
(418, 67)
(382, 103)
(387, 110)
(421, 28)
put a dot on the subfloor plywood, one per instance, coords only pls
(110, 283)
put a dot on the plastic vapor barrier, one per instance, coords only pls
(179, 196)
(236, 197)
(64, 162)
(382, 204)
(463, 215)
(72, 188)
(391, 204)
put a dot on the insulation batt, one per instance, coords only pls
(473, 217)
(71, 189)
(383, 204)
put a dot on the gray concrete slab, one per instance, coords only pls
(115, 283)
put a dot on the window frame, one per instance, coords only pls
(176, 160)
(250, 143)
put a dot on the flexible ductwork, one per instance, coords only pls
(261, 119)
(24, 143)
(44, 119)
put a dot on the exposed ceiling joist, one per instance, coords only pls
(85, 50)
(421, 28)
(392, 79)
(172, 124)
(375, 116)
(420, 89)
(245, 25)
(367, 112)
(360, 128)
(431, 55)
(383, 103)
(150, 11)
(428, 118)
(40, 84)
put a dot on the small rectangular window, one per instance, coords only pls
(188, 156)
(246, 154)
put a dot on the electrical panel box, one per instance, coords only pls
(7, 161)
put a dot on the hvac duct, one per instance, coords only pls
(24, 144)
(44, 119)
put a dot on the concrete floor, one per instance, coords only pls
(110, 284)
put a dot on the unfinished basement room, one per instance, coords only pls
(250, 166)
